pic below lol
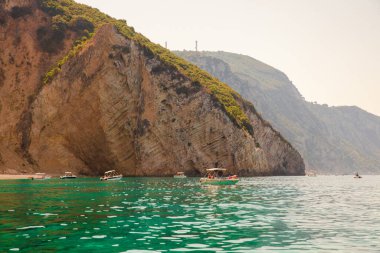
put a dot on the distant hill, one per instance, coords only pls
(332, 140)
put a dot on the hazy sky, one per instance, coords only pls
(330, 49)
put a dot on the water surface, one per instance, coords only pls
(274, 214)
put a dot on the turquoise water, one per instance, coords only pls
(274, 214)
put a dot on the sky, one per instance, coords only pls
(329, 49)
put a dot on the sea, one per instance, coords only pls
(261, 214)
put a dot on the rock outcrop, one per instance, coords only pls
(117, 105)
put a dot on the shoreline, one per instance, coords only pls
(29, 176)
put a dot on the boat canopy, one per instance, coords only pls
(40, 173)
(180, 173)
(110, 171)
(216, 169)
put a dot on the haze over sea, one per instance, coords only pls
(273, 214)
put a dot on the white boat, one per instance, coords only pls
(68, 175)
(40, 176)
(215, 176)
(111, 175)
(311, 173)
(180, 175)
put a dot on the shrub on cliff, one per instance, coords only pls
(3, 17)
(50, 40)
(51, 7)
(2, 77)
(18, 12)
(3, 20)
(81, 25)
(59, 23)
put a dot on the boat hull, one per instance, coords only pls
(110, 178)
(179, 176)
(41, 178)
(207, 181)
(63, 177)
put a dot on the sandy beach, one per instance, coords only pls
(10, 177)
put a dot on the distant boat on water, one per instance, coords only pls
(215, 176)
(180, 175)
(40, 176)
(311, 173)
(68, 175)
(111, 175)
(357, 175)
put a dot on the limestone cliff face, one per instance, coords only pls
(115, 105)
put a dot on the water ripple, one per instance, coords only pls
(288, 214)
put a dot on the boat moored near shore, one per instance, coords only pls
(68, 175)
(180, 175)
(40, 176)
(111, 175)
(215, 176)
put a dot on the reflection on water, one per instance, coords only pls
(286, 214)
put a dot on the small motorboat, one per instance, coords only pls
(40, 176)
(180, 175)
(111, 175)
(215, 176)
(68, 175)
(357, 175)
(311, 173)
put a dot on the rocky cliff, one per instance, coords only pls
(83, 92)
(332, 140)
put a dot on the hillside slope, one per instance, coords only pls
(332, 140)
(84, 92)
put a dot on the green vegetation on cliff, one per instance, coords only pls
(84, 20)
